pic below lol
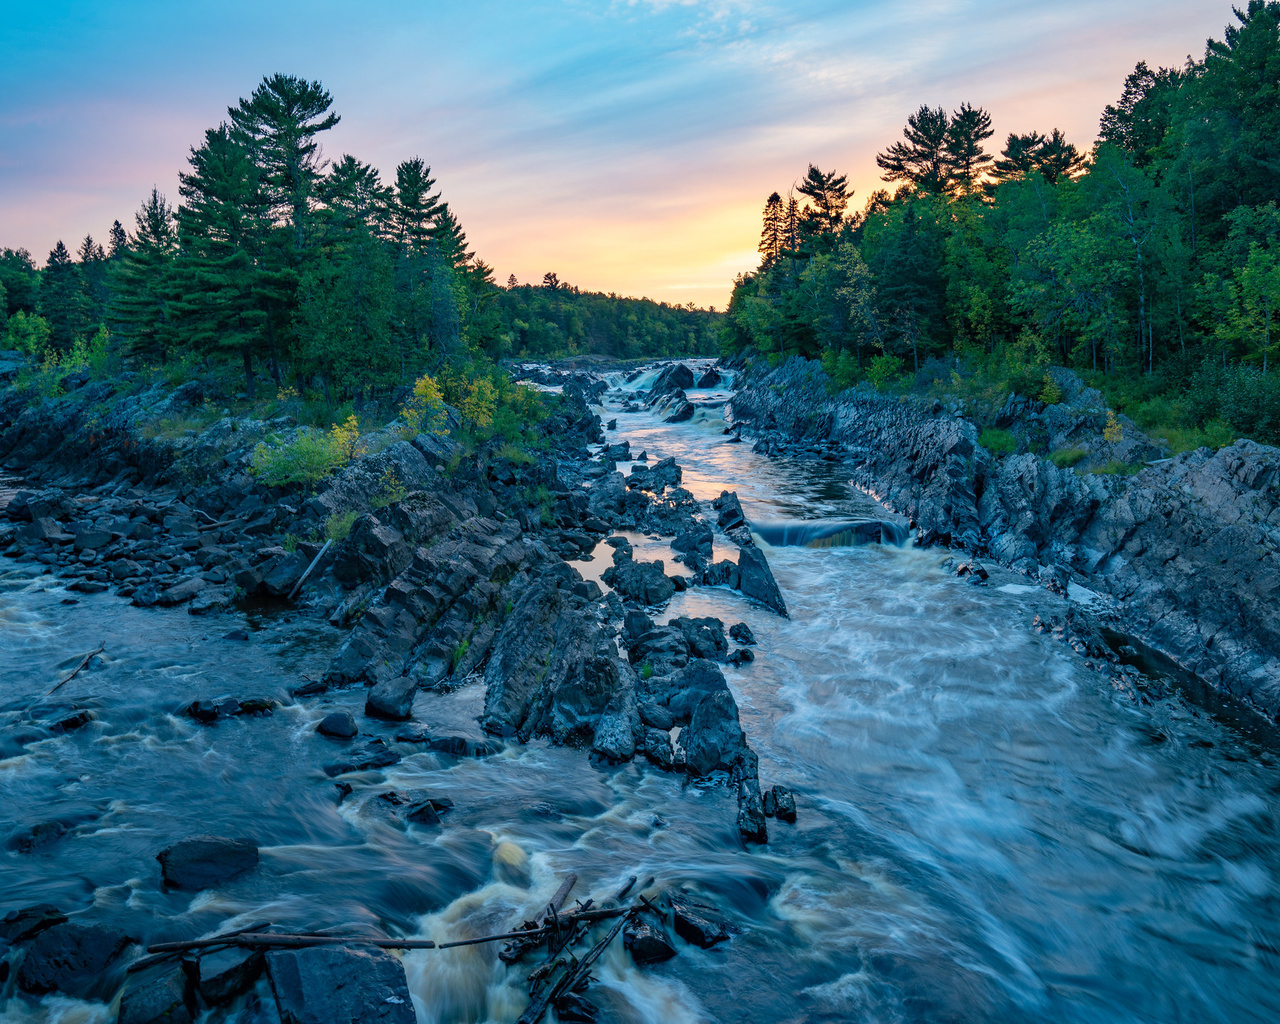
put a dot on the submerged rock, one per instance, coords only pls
(69, 958)
(647, 943)
(222, 975)
(338, 724)
(203, 861)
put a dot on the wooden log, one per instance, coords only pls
(218, 940)
(79, 668)
(314, 562)
(524, 943)
(282, 940)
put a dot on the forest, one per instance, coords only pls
(311, 277)
(1150, 263)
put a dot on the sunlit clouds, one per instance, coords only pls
(628, 146)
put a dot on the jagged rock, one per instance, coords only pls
(204, 861)
(741, 632)
(285, 574)
(784, 804)
(576, 1009)
(372, 550)
(751, 821)
(222, 975)
(675, 377)
(742, 656)
(709, 379)
(644, 582)
(69, 958)
(697, 923)
(19, 925)
(339, 985)
(374, 754)
(682, 412)
(33, 837)
(391, 698)
(714, 739)
(755, 580)
(338, 724)
(697, 540)
(161, 995)
(648, 943)
(658, 476)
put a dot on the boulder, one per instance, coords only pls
(339, 985)
(33, 837)
(159, 996)
(675, 377)
(755, 580)
(69, 958)
(643, 582)
(697, 540)
(46, 529)
(741, 632)
(391, 698)
(697, 923)
(742, 656)
(18, 925)
(372, 550)
(751, 821)
(374, 754)
(784, 804)
(224, 974)
(284, 576)
(339, 724)
(573, 1008)
(182, 591)
(648, 943)
(714, 739)
(90, 538)
(709, 379)
(203, 861)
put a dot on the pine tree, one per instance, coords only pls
(970, 127)
(20, 280)
(791, 225)
(1019, 157)
(140, 279)
(278, 126)
(93, 279)
(62, 299)
(415, 208)
(771, 235)
(923, 159)
(830, 194)
(1058, 160)
(450, 238)
(118, 240)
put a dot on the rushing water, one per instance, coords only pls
(987, 832)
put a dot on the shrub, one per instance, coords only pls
(1113, 433)
(391, 491)
(999, 441)
(1117, 468)
(1050, 394)
(1067, 457)
(883, 371)
(425, 411)
(842, 371)
(338, 525)
(28, 333)
(307, 459)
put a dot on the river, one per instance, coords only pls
(988, 831)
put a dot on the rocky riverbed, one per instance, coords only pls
(651, 652)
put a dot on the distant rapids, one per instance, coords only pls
(826, 533)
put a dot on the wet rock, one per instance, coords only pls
(656, 746)
(339, 985)
(676, 377)
(751, 821)
(222, 975)
(391, 698)
(86, 537)
(611, 425)
(648, 943)
(636, 624)
(47, 530)
(180, 592)
(374, 754)
(784, 804)
(741, 632)
(576, 1009)
(656, 716)
(19, 925)
(742, 656)
(642, 582)
(714, 740)
(697, 923)
(87, 586)
(236, 634)
(69, 958)
(159, 996)
(285, 574)
(660, 475)
(211, 709)
(145, 596)
(697, 540)
(709, 379)
(204, 861)
(371, 551)
(339, 724)
(755, 580)
(682, 410)
(36, 836)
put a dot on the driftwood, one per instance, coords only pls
(524, 943)
(285, 940)
(223, 939)
(79, 668)
(314, 562)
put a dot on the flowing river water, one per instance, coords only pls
(987, 831)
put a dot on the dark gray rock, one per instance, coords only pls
(204, 861)
(285, 574)
(647, 943)
(373, 755)
(714, 740)
(339, 985)
(162, 995)
(755, 580)
(69, 958)
(642, 582)
(222, 975)
(751, 821)
(19, 925)
(697, 922)
(675, 377)
(34, 837)
(710, 378)
(392, 698)
(741, 632)
(697, 540)
(656, 716)
(742, 656)
(339, 724)
(372, 550)
(180, 592)
(573, 1008)
(784, 804)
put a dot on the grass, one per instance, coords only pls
(999, 441)
(1067, 457)
(1117, 468)
(338, 525)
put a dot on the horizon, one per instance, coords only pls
(549, 152)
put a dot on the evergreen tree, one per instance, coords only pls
(93, 279)
(830, 195)
(450, 238)
(923, 159)
(771, 235)
(118, 240)
(141, 278)
(416, 208)
(970, 127)
(62, 299)
(20, 280)
(1019, 156)
(1139, 122)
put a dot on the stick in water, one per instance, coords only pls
(79, 668)
(303, 578)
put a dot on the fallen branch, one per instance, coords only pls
(79, 668)
(283, 940)
(303, 578)
(222, 939)
(522, 945)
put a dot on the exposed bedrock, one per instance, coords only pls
(1186, 549)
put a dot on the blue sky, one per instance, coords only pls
(628, 146)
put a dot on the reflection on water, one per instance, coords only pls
(987, 831)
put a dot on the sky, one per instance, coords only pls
(627, 145)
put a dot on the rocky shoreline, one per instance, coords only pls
(462, 572)
(1181, 559)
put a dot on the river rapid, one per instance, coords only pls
(988, 831)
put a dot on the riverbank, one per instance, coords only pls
(1181, 558)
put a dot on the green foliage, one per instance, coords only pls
(1068, 457)
(459, 652)
(646, 671)
(883, 371)
(338, 525)
(390, 490)
(309, 458)
(1050, 394)
(999, 441)
(425, 411)
(290, 543)
(1117, 468)
(28, 333)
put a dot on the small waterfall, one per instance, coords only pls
(828, 533)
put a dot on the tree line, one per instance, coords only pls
(1150, 262)
(317, 275)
